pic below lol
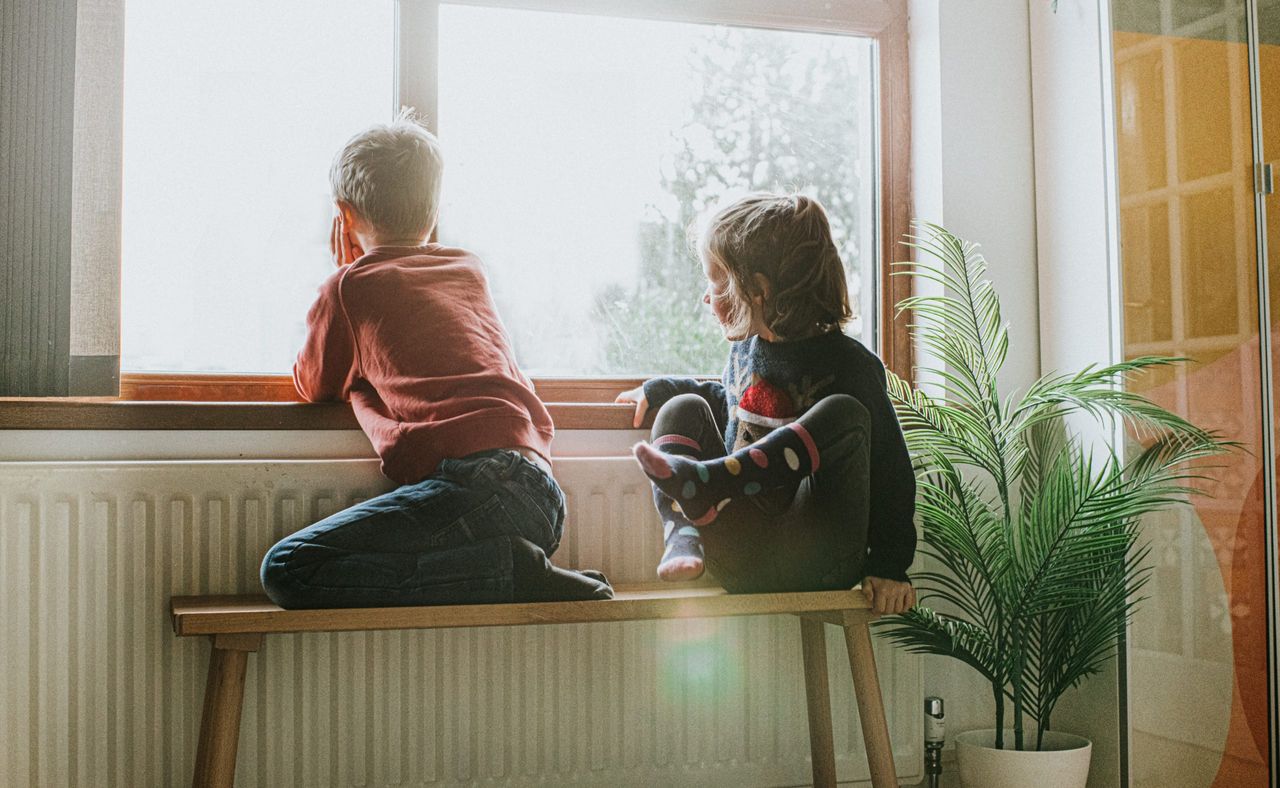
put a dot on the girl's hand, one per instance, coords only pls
(635, 395)
(888, 597)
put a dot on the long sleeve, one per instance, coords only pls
(891, 532)
(326, 365)
(891, 536)
(657, 391)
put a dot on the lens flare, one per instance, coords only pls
(694, 660)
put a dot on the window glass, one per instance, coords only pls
(233, 111)
(579, 149)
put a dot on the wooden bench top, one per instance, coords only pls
(221, 615)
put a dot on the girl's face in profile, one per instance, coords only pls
(717, 296)
(720, 300)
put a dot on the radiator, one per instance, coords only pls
(96, 690)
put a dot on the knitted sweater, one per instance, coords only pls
(769, 384)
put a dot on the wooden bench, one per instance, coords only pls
(235, 626)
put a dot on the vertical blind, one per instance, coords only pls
(61, 66)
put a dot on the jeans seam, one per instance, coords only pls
(287, 565)
(291, 572)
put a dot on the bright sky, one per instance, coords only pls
(554, 128)
(233, 110)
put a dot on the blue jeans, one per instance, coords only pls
(445, 540)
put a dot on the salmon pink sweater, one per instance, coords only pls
(411, 337)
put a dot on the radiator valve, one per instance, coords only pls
(935, 736)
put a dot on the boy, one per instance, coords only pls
(407, 331)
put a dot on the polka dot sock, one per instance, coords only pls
(682, 555)
(703, 488)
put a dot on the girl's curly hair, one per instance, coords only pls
(787, 239)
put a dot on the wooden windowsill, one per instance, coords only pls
(270, 402)
(115, 414)
(201, 387)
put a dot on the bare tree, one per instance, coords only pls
(766, 114)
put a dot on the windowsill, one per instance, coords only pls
(114, 414)
(270, 402)
(199, 387)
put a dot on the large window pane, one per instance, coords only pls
(579, 148)
(233, 111)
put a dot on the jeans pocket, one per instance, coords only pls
(543, 510)
(484, 521)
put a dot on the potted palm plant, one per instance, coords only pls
(1032, 536)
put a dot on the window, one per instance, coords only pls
(578, 148)
(232, 113)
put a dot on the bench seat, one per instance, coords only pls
(217, 615)
(236, 625)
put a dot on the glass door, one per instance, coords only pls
(1197, 669)
(1255, 685)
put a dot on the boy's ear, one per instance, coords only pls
(351, 219)
(347, 212)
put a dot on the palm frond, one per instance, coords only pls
(1042, 443)
(963, 329)
(943, 426)
(923, 631)
(964, 272)
(1082, 521)
(1096, 391)
(967, 539)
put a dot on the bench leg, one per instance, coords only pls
(818, 694)
(223, 702)
(866, 686)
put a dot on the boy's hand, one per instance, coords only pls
(888, 597)
(635, 395)
(344, 250)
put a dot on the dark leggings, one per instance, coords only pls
(809, 535)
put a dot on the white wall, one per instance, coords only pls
(972, 157)
(983, 182)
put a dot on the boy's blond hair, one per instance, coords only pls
(787, 239)
(390, 175)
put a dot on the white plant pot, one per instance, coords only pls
(1063, 761)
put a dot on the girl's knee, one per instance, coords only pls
(683, 414)
(685, 404)
(847, 408)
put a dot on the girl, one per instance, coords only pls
(791, 472)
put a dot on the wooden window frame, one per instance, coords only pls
(180, 401)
